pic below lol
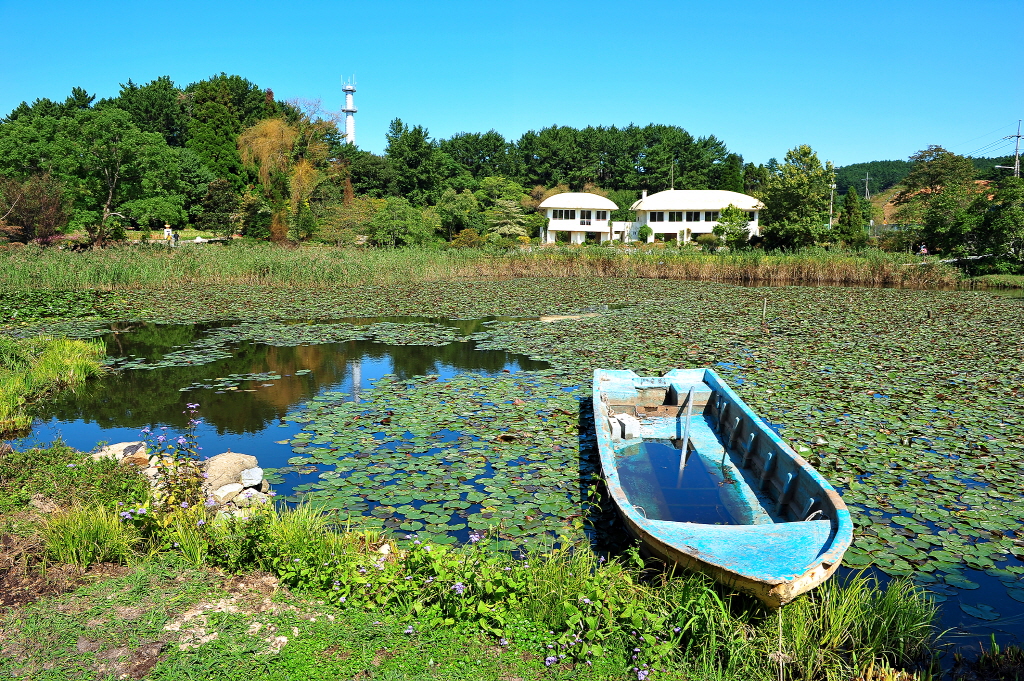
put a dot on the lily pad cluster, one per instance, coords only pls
(440, 458)
(910, 402)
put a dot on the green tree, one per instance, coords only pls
(399, 223)
(212, 137)
(219, 207)
(850, 228)
(796, 197)
(1001, 231)
(415, 161)
(729, 174)
(154, 107)
(732, 227)
(33, 209)
(458, 211)
(505, 219)
(933, 170)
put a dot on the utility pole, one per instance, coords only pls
(1016, 153)
(831, 195)
(867, 178)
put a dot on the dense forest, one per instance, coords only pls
(223, 155)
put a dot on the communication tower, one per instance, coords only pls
(350, 111)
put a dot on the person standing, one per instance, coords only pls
(167, 232)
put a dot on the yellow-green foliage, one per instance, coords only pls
(83, 535)
(33, 368)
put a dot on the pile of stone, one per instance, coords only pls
(232, 481)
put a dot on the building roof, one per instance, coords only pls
(696, 199)
(580, 200)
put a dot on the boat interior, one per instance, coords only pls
(689, 450)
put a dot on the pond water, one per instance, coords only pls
(252, 391)
(436, 439)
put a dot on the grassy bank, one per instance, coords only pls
(560, 612)
(31, 369)
(999, 281)
(264, 264)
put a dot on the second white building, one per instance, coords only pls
(685, 214)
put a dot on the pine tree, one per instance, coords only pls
(851, 222)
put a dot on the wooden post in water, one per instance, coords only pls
(686, 437)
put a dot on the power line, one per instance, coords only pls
(999, 129)
(1016, 151)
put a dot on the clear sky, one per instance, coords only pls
(858, 81)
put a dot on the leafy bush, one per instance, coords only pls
(709, 242)
(83, 535)
(644, 233)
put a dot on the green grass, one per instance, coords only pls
(999, 281)
(66, 477)
(31, 369)
(84, 535)
(153, 266)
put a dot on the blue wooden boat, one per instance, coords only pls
(702, 481)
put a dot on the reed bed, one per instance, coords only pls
(327, 267)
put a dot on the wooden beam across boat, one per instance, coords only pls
(719, 492)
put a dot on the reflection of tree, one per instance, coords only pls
(134, 398)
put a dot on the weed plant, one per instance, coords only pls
(127, 267)
(66, 477)
(84, 535)
(31, 369)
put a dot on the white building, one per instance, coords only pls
(579, 213)
(685, 214)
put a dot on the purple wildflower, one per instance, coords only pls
(71, 465)
(184, 504)
(161, 439)
(200, 523)
(548, 661)
(642, 674)
(459, 588)
(410, 630)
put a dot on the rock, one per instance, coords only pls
(119, 451)
(251, 477)
(227, 468)
(226, 493)
(264, 486)
(250, 497)
(137, 458)
(42, 503)
(151, 472)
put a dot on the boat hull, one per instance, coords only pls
(793, 527)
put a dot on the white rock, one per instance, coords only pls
(226, 493)
(251, 477)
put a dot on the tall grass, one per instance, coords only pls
(329, 267)
(31, 369)
(83, 535)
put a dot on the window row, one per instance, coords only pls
(689, 216)
(585, 215)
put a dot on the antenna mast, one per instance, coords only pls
(867, 178)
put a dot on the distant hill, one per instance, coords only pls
(887, 174)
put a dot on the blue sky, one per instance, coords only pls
(857, 81)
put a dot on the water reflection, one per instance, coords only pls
(248, 417)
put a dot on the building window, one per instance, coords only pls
(585, 217)
(693, 216)
(656, 216)
(753, 215)
(601, 215)
(560, 214)
(710, 216)
(675, 216)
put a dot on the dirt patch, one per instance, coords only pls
(144, 659)
(335, 653)
(23, 581)
(381, 655)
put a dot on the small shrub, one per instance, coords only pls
(644, 233)
(709, 242)
(84, 535)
